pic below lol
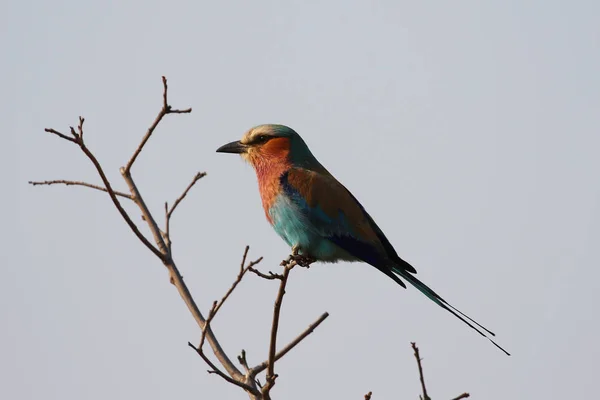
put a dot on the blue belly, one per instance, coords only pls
(293, 225)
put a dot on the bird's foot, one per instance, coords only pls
(300, 259)
(304, 261)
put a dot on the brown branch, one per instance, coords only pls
(214, 369)
(262, 366)
(162, 252)
(416, 350)
(243, 362)
(462, 396)
(78, 183)
(197, 177)
(271, 376)
(166, 109)
(270, 277)
(78, 139)
(61, 135)
(175, 276)
(169, 212)
(211, 315)
(243, 270)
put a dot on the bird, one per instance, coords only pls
(317, 216)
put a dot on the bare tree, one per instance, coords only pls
(248, 377)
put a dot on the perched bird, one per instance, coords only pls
(317, 215)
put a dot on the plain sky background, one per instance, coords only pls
(468, 129)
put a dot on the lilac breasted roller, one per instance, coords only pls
(314, 213)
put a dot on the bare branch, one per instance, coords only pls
(270, 277)
(61, 135)
(217, 371)
(416, 350)
(78, 139)
(162, 252)
(166, 109)
(462, 396)
(211, 315)
(78, 183)
(169, 212)
(243, 362)
(175, 276)
(197, 177)
(239, 277)
(271, 376)
(262, 366)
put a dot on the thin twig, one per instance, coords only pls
(78, 183)
(197, 177)
(169, 211)
(78, 139)
(166, 109)
(243, 361)
(262, 366)
(215, 370)
(270, 277)
(162, 251)
(167, 233)
(271, 376)
(462, 396)
(416, 350)
(61, 135)
(239, 278)
(211, 315)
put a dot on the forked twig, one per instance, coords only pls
(214, 369)
(78, 139)
(162, 250)
(166, 109)
(169, 211)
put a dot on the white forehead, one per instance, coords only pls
(254, 132)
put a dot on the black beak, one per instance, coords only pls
(233, 147)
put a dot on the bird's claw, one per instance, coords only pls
(304, 261)
(300, 259)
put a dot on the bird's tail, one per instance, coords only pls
(437, 299)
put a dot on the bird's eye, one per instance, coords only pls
(262, 139)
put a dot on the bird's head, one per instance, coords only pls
(269, 144)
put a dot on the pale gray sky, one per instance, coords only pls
(469, 130)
